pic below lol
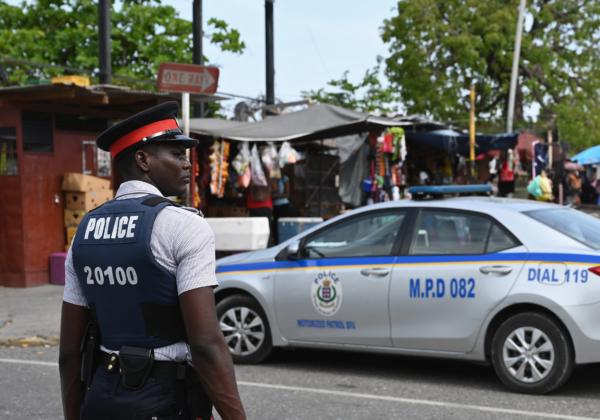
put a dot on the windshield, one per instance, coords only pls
(573, 223)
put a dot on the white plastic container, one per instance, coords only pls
(240, 233)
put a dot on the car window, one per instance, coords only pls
(446, 232)
(363, 236)
(575, 224)
(500, 240)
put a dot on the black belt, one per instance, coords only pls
(160, 369)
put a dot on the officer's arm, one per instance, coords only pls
(72, 327)
(210, 354)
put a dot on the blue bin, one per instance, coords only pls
(288, 227)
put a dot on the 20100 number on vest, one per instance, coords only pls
(119, 276)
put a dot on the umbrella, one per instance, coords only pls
(589, 156)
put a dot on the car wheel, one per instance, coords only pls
(245, 328)
(531, 353)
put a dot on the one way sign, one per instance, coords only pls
(187, 78)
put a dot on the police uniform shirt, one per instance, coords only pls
(182, 243)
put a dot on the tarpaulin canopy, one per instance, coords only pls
(319, 121)
(589, 156)
(452, 141)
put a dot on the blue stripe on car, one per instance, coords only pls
(400, 260)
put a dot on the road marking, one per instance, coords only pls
(366, 396)
(29, 362)
(416, 401)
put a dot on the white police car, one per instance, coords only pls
(512, 282)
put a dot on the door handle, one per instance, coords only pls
(375, 271)
(496, 270)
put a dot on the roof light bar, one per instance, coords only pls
(422, 191)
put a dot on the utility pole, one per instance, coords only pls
(472, 130)
(269, 53)
(515, 68)
(104, 31)
(198, 53)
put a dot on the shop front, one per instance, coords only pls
(45, 132)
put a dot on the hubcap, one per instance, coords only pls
(243, 329)
(528, 354)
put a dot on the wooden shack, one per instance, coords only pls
(45, 131)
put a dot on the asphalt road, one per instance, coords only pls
(305, 384)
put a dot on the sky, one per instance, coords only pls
(315, 42)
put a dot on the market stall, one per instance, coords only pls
(308, 149)
(324, 159)
(441, 156)
(310, 164)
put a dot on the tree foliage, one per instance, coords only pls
(368, 95)
(44, 38)
(439, 47)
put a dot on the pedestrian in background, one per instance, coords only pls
(493, 169)
(259, 203)
(506, 183)
(545, 183)
(588, 187)
(574, 188)
(139, 291)
(540, 187)
(595, 184)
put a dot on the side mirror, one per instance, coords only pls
(293, 250)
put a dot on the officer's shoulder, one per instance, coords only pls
(184, 215)
(155, 200)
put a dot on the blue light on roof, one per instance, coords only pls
(439, 190)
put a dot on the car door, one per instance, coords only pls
(337, 289)
(455, 269)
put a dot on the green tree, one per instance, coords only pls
(439, 47)
(368, 95)
(44, 38)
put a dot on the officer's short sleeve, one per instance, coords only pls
(72, 293)
(193, 245)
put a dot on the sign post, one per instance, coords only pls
(186, 79)
(185, 112)
(185, 116)
(191, 78)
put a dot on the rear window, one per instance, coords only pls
(573, 223)
(448, 232)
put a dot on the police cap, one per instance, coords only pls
(156, 124)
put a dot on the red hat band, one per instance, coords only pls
(139, 134)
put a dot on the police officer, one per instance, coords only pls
(139, 282)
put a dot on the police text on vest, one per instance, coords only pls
(110, 227)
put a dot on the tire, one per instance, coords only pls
(532, 354)
(245, 328)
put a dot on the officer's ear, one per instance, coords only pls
(142, 160)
